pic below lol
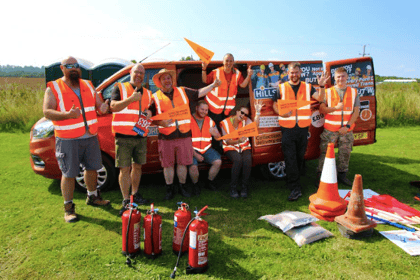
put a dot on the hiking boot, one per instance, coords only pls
(233, 192)
(69, 213)
(139, 200)
(210, 185)
(125, 203)
(183, 190)
(294, 195)
(318, 179)
(169, 192)
(341, 176)
(244, 193)
(96, 200)
(196, 189)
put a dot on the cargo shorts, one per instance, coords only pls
(130, 150)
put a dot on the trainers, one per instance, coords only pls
(196, 189)
(233, 192)
(210, 185)
(96, 200)
(124, 207)
(69, 213)
(183, 190)
(341, 176)
(138, 198)
(294, 195)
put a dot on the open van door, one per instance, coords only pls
(361, 75)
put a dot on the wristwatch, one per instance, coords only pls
(347, 125)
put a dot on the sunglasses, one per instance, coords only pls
(71, 66)
(243, 113)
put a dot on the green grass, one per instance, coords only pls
(36, 243)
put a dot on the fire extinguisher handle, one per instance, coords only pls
(202, 210)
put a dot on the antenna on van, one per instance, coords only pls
(153, 53)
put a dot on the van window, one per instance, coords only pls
(147, 83)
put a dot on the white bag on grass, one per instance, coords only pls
(308, 234)
(287, 220)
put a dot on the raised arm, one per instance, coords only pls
(248, 77)
(203, 91)
(204, 73)
(322, 80)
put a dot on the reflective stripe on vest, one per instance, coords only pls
(216, 98)
(163, 104)
(335, 120)
(66, 98)
(201, 139)
(303, 118)
(228, 127)
(124, 120)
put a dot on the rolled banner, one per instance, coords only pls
(178, 113)
(249, 130)
(285, 106)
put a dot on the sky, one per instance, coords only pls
(39, 33)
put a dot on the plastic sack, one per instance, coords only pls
(287, 220)
(308, 234)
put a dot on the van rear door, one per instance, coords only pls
(361, 76)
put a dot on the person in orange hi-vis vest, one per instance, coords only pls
(71, 104)
(221, 100)
(238, 150)
(295, 124)
(174, 139)
(130, 102)
(203, 130)
(341, 108)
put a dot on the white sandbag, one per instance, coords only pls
(287, 220)
(308, 234)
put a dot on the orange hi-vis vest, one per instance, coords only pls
(225, 94)
(201, 139)
(124, 120)
(228, 127)
(66, 98)
(163, 104)
(303, 115)
(335, 120)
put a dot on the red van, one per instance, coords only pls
(266, 150)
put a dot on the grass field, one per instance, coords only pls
(36, 243)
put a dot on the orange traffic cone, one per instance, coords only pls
(327, 197)
(355, 218)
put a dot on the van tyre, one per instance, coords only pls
(106, 176)
(274, 170)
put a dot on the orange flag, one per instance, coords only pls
(178, 113)
(249, 130)
(205, 54)
(285, 106)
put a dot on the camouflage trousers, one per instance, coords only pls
(345, 145)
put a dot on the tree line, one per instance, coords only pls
(22, 71)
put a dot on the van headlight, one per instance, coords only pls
(43, 129)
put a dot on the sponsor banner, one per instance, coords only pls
(268, 121)
(361, 76)
(266, 139)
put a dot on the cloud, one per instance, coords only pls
(319, 54)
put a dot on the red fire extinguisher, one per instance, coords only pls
(131, 231)
(181, 218)
(152, 233)
(198, 249)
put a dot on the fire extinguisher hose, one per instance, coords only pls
(128, 261)
(151, 233)
(180, 249)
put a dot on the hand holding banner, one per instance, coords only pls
(205, 54)
(285, 106)
(249, 130)
(178, 113)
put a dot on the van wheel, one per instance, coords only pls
(274, 170)
(106, 176)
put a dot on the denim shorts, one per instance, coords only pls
(209, 156)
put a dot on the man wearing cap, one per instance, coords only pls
(295, 124)
(129, 104)
(174, 138)
(71, 104)
(273, 76)
(261, 79)
(341, 109)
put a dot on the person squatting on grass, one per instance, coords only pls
(295, 124)
(174, 139)
(238, 150)
(341, 106)
(128, 102)
(71, 104)
(203, 129)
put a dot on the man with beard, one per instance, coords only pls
(295, 124)
(71, 104)
(130, 102)
(174, 140)
(203, 128)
